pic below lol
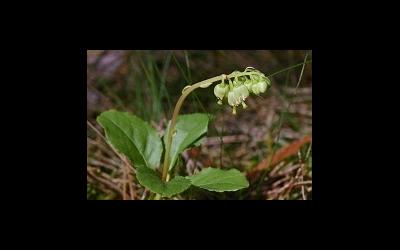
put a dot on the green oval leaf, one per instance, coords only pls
(133, 137)
(219, 180)
(149, 178)
(189, 129)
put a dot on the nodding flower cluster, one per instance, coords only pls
(243, 84)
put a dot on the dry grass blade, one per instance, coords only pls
(105, 182)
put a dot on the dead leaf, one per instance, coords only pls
(281, 155)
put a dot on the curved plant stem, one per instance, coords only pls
(175, 116)
(185, 93)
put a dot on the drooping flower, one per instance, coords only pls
(220, 91)
(242, 92)
(259, 87)
(233, 98)
(241, 86)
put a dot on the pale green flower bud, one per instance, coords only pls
(262, 86)
(242, 92)
(259, 87)
(220, 90)
(255, 89)
(233, 98)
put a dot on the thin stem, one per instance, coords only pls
(185, 93)
(175, 116)
(289, 68)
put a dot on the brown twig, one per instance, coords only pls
(124, 183)
(105, 182)
(292, 182)
(98, 145)
(130, 184)
(101, 164)
(302, 175)
(276, 192)
(303, 183)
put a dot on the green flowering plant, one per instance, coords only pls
(142, 145)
